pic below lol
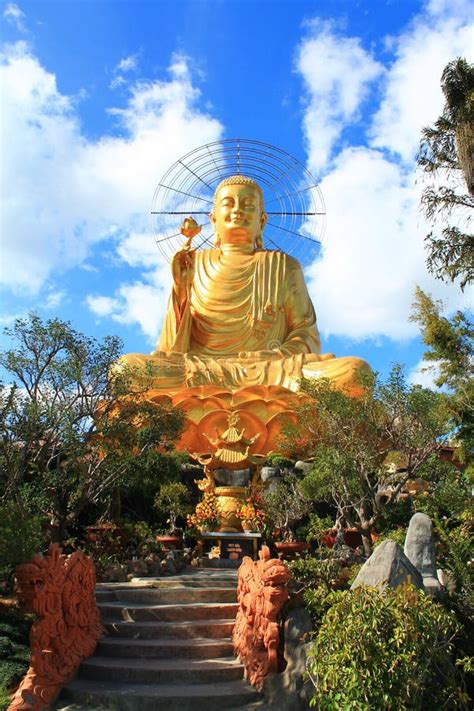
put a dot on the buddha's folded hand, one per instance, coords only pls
(261, 355)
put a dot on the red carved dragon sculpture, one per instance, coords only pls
(59, 589)
(262, 592)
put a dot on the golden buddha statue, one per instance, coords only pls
(239, 334)
(239, 315)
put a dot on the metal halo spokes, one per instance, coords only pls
(293, 201)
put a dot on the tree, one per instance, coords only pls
(351, 443)
(72, 431)
(447, 153)
(450, 348)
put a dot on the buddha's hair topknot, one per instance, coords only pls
(239, 180)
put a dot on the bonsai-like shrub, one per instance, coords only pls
(173, 500)
(285, 505)
(388, 650)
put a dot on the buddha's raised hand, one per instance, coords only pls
(182, 267)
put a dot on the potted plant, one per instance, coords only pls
(285, 504)
(251, 514)
(205, 517)
(172, 500)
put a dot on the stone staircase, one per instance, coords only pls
(168, 647)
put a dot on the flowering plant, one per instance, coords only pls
(205, 515)
(251, 513)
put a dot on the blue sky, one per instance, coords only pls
(100, 97)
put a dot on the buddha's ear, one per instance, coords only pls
(217, 240)
(263, 220)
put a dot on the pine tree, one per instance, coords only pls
(447, 154)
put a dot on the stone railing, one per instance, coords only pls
(60, 590)
(262, 592)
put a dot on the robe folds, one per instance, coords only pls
(238, 303)
(241, 320)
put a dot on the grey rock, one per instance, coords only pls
(303, 467)
(167, 567)
(446, 579)
(388, 566)
(419, 549)
(137, 567)
(115, 572)
(227, 477)
(267, 473)
(288, 691)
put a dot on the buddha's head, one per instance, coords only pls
(238, 214)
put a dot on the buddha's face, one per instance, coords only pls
(238, 216)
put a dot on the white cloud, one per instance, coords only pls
(54, 299)
(373, 254)
(412, 97)
(117, 81)
(138, 249)
(144, 304)
(62, 191)
(137, 303)
(15, 16)
(140, 302)
(8, 319)
(337, 72)
(424, 374)
(101, 305)
(127, 64)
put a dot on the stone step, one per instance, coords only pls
(92, 695)
(189, 576)
(169, 630)
(165, 648)
(168, 647)
(161, 671)
(167, 596)
(112, 611)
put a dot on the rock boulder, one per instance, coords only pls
(419, 549)
(388, 566)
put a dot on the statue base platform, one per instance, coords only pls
(226, 550)
(263, 410)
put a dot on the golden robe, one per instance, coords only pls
(242, 303)
(241, 320)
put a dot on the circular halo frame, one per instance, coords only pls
(293, 200)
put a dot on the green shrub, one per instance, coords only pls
(277, 460)
(396, 534)
(20, 539)
(14, 650)
(450, 493)
(386, 650)
(120, 542)
(316, 578)
(314, 529)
